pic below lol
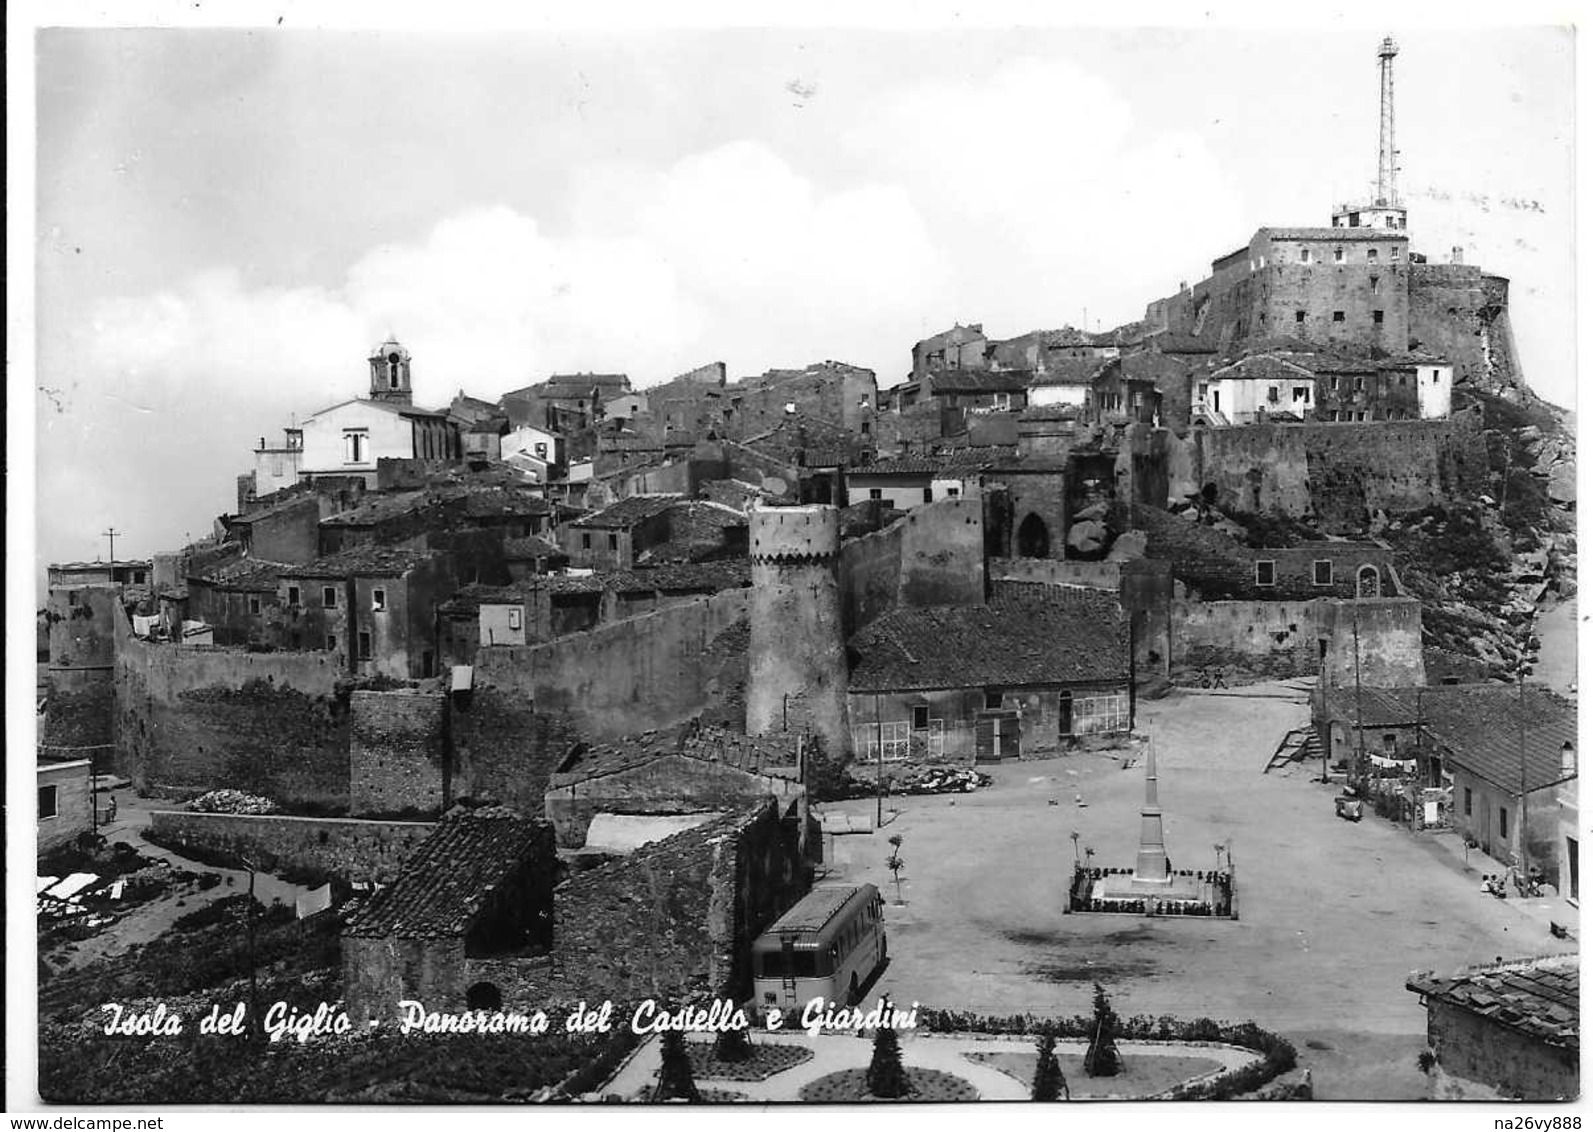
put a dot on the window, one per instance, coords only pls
(1302, 393)
(71, 597)
(1389, 744)
(1305, 255)
(1402, 381)
(254, 605)
(138, 577)
(1377, 317)
(331, 642)
(293, 595)
(613, 542)
(541, 449)
(1322, 572)
(1393, 254)
(1468, 801)
(1374, 284)
(1091, 714)
(1504, 822)
(1299, 317)
(586, 542)
(1371, 255)
(47, 802)
(865, 428)
(921, 717)
(379, 600)
(1266, 572)
(929, 495)
(514, 618)
(1333, 383)
(355, 446)
(992, 699)
(1360, 384)
(1355, 220)
(365, 646)
(953, 492)
(329, 596)
(1435, 377)
(1338, 255)
(1272, 394)
(1338, 316)
(895, 737)
(875, 493)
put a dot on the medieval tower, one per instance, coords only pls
(796, 659)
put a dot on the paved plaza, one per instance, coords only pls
(1334, 914)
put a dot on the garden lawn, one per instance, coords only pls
(850, 1085)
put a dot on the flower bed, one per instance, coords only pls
(849, 1086)
(1143, 1075)
(767, 1059)
(1277, 1055)
(232, 802)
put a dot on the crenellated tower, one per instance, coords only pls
(796, 657)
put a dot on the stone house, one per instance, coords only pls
(611, 539)
(65, 808)
(962, 684)
(286, 530)
(961, 347)
(1509, 750)
(240, 601)
(478, 890)
(709, 772)
(673, 920)
(565, 403)
(534, 554)
(374, 605)
(905, 482)
(1067, 381)
(1505, 1031)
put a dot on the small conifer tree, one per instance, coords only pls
(675, 1082)
(886, 1077)
(1049, 1083)
(733, 1045)
(1101, 1059)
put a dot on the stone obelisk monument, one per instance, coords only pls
(1152, 865)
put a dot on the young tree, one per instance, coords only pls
(1101, 1059)
(894, 863)
(733, 1045)
(675, 1082)
(1049, 1083)
(886, 1077)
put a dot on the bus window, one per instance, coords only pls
(803, 965)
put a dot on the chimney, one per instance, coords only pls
(1457, 254)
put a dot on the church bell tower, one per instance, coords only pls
(390, 373)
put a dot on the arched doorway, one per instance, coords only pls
(483, 996)
(1368, 582)
(1034, 539)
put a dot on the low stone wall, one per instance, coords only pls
(348, 848)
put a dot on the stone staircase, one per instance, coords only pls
(1299, 745)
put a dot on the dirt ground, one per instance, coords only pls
(1333, 915)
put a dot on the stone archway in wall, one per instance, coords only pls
(483, 996)
(1368, 581)
(1034, 537)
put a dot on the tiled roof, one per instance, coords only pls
(379, 508)
(971, 459)
(496, 502)
(1264, 367)
(761, 755)
(1536, 997)
(979, 381)
(1481, 728)
(385, 406)
(274, 508)
(1056, 640)
(1477, 725)
(253, 574)
(370, 560)
(448, 879)
(628, 512)
(529, 548)
(701, 577)
(1072, 371)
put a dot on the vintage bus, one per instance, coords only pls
(828, 945)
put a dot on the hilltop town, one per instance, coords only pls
(569, 693)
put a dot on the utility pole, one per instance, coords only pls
(879, 764)
(254, 988)
(1521, 713)
(111, 533)
(1360, 731)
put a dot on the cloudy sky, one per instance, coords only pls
(227, 220)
